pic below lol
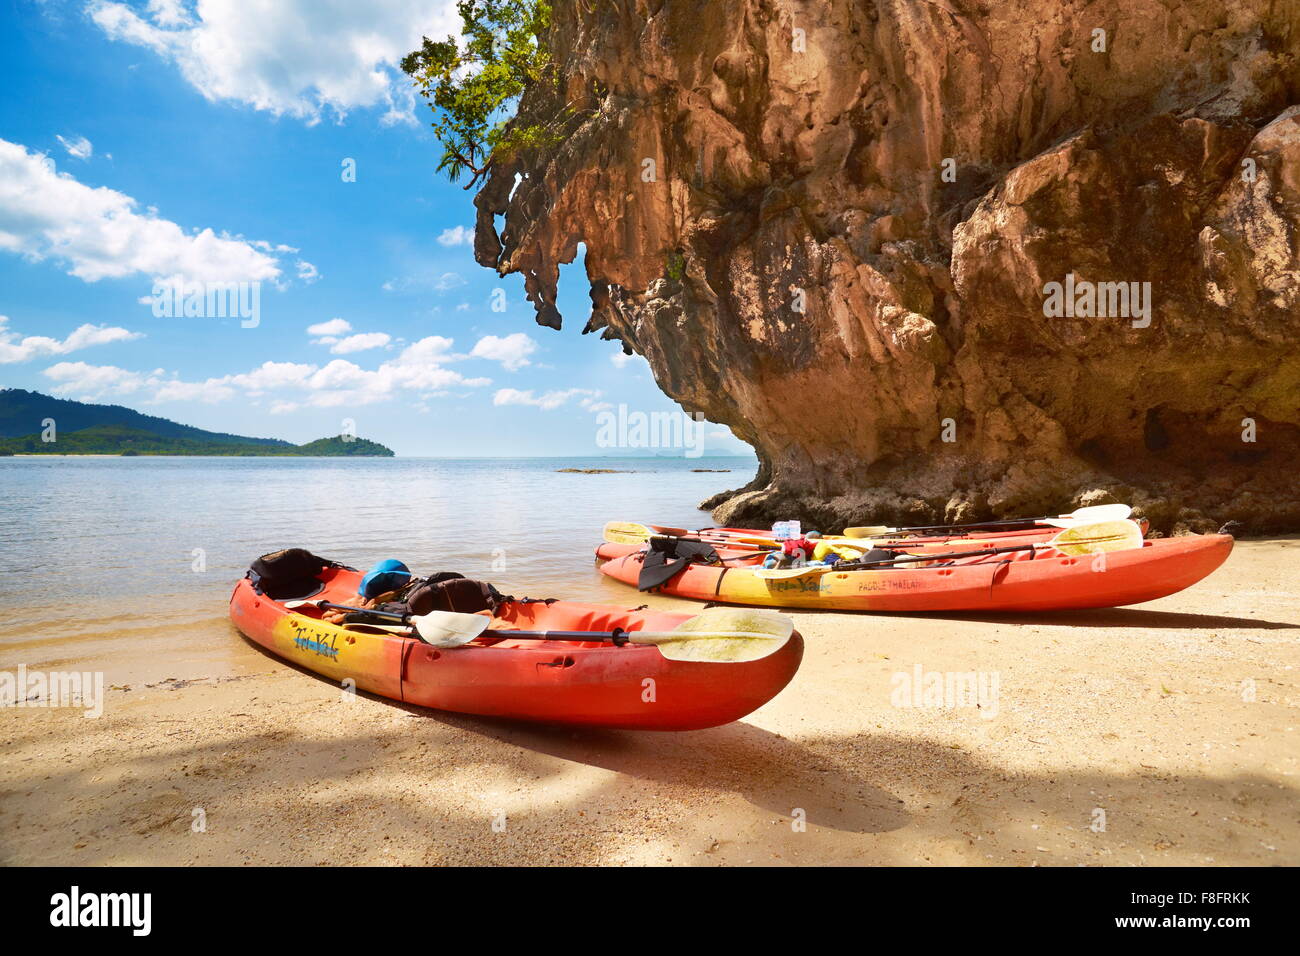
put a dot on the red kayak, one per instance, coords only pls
(591, 684)
(1035, 580)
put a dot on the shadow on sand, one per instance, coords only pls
(273, 795)
(1125, 617)
(1090, 617)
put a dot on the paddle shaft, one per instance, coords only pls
(392, 616)
(618, 636)
(977, 526)
(1079, 515)
(941, 556)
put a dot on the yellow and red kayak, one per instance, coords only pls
(590, 684)
(1032, 580)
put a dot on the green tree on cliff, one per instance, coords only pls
(472, 85)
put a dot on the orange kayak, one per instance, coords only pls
(590, 684)
(1039, 580)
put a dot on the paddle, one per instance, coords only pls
(722, 635)
(434, 627)
(1102, 536)
(1089, 515)
(626, 532)
(632, 532)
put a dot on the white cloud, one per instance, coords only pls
(270, 375)
(419, 369)
(329, 333)
(95, 381)
(457, 236)
(301, 58)
(307, 272)
(512, 351)
(209, 392)
(423, 279)
(78, 147)
(169, 13)
(547, 401)
(331, 327)
(98, 234)
(16, 348)
(430, 350)
(361, 342)
(622, 359)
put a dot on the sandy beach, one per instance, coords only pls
(1161, 734)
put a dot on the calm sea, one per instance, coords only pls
(101, 553)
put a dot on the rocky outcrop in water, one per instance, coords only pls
(940, 259)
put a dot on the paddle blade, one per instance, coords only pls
(626, 532)
(664, 529)
(1090, 515)
(870, 531)
(448, 629)
(722, 635)
(781, 574)
(1097, 537)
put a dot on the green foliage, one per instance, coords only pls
(676, 266)
(128, 441)
(471, 88)
(343, 445)
(85, 429)
(23, 412)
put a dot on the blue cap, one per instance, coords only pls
(384, 577)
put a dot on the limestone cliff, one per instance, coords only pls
(835, 227)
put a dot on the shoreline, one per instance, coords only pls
(1175, 719)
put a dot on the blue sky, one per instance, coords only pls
(149, 140)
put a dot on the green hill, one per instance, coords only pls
(21, 413)
(343, 445)
(86, 429)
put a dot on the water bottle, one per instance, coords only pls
(793, 529)
(781, 530)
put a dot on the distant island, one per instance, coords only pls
(83, 428)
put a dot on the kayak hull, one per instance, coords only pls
(1017, 582)
(589, 684)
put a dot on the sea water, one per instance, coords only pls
(98, 554)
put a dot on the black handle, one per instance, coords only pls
(618, 637)
(977, 526)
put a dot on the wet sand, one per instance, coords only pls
(1161, 734)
